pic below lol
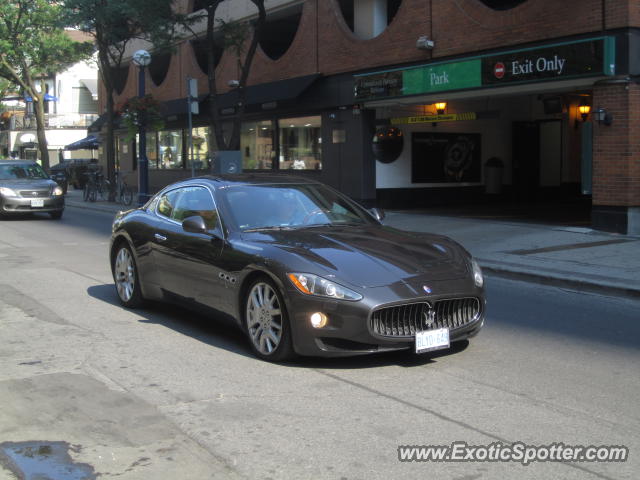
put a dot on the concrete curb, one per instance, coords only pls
(603, 287)
(97, 206)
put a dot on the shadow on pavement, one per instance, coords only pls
(222, 332)
(576, 316)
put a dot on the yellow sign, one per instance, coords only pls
(453, 117)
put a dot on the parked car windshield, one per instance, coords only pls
(292, 206)
(22, 171)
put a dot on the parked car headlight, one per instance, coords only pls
(7, 192)
(310, 284)
(57, 191)
(478, 279)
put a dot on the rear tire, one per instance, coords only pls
(125, 276)
(266, 321)
(127, 196)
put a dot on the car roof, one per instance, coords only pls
(17, 162)
(255, 179)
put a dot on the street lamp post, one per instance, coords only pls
(142, 59)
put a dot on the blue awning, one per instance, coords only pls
(47, 98)
(88, 143)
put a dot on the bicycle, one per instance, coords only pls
(124, 193)
(98, 186)
(91, 188)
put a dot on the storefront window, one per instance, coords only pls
(300, 143)
(152, 150)
(256, 145)
(170, 149)
(201, 156)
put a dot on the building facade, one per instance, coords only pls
(71, 106)
(411, 103)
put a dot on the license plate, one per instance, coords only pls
(37, 202)
(432, 340)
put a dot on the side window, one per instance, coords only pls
(167, 202)
(196, 201)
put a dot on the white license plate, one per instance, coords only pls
(37, 202)
(432, 340)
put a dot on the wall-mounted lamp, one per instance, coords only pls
(602, 116)
(441, 107)
(584, 108)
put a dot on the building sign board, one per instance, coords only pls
(452, 117)
(591, 57)
(561, 61)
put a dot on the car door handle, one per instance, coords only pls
(160, 238)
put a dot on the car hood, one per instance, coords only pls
(372, 256)
(21, 184)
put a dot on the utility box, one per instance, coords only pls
(493, 169)
(227, 161)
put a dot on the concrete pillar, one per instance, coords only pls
(616, 159)
(369, 18)
(348, 161)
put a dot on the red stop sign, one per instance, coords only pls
(499, 70)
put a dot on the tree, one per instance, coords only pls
(33, 46)
(115, 24)
(5, 87)
(234, 36)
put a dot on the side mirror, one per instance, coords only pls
(194, 224)
(377, 213)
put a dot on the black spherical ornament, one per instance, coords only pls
(387, 144)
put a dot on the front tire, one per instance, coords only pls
(56, 215)
(127, 196)
(266, 321)
(125, 276)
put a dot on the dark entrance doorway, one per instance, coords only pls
(526, 160)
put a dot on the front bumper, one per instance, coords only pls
(349, 330)
(20, 205)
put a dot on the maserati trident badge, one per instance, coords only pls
(428, 318)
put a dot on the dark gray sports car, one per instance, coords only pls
(300, 267)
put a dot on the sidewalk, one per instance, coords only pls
(572, 257)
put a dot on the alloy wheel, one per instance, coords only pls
(124, 273)
(264, 318)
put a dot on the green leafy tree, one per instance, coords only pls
(5, 87)
(234, 36)
(33, 46)
(115, 25)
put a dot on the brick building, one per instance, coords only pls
(350, 92)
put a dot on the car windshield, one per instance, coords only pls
(289, 206)
(21, 171)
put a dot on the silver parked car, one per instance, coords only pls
(26, 188)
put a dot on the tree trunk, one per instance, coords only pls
(215, 126)
(109, 150)
(38, 108)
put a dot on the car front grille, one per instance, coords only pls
(34, 193)
(406, 320)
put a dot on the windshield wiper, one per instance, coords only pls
(262, 229)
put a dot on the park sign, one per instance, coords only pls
(591, 57)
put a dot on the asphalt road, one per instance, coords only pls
(162, 393)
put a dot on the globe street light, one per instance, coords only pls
(142, 59)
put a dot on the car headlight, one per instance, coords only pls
(57, 191)
(7, 192)
(310, 284)
(478, 279)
